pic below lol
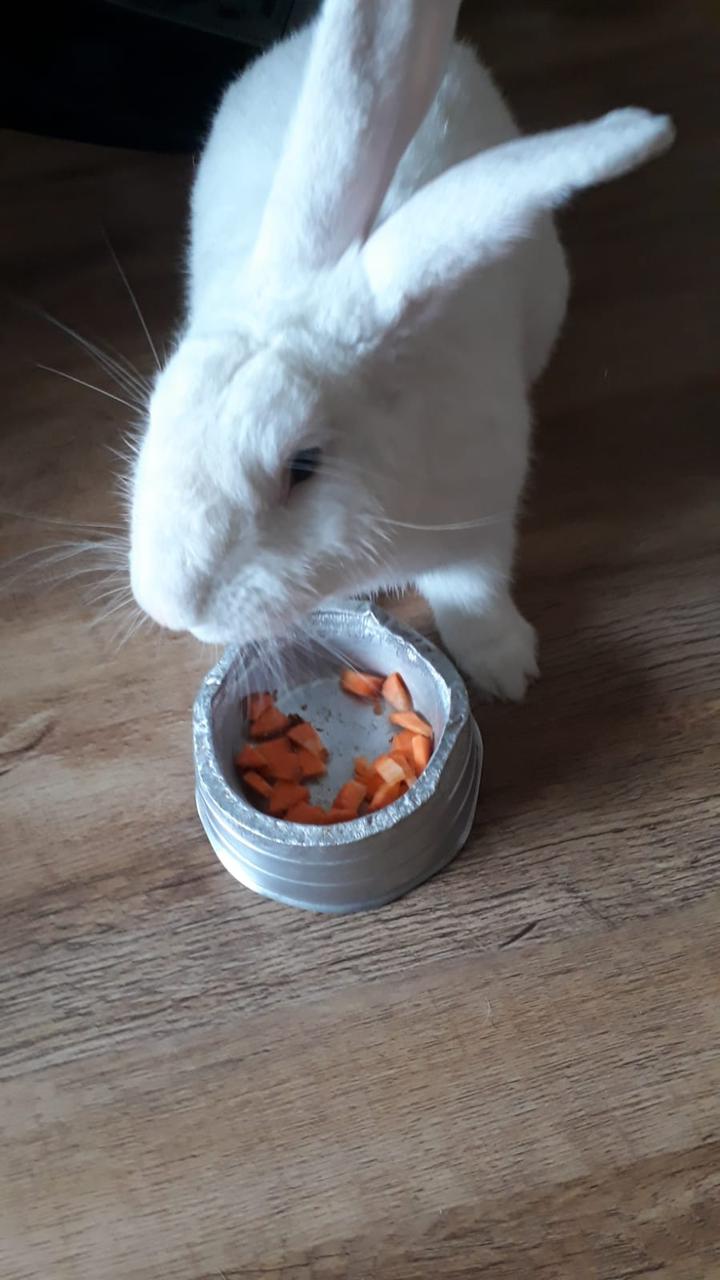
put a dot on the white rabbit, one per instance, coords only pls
(374, 284)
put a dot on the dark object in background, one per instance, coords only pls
(132, 73)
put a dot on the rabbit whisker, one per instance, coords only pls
(133, 298)
(82, 383)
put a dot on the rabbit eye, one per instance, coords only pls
(304, 465)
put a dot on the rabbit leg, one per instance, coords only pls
(482, 629)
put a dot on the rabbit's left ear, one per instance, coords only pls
(373, 71)
(474, 213)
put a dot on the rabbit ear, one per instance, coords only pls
(373, 70)
(473, 214)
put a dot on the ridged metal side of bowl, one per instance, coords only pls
(352, 866)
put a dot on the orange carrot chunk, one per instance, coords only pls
(390, 770)
(311, 766)
(337, 814)
(257, 703)
(412, 721)
(402, 742)
(249, 758)
(285, 795)
(385, 794)
(304, 735)
(372, 783)
(269, 724)
(350, 796)
(421, 752)
(281, 762)
(360, 684)
(363, 768)
(258, 784)
(406, 765)
(312, 814)
(396, 693)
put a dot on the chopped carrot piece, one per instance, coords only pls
(421, 752)
(396, 692)
(385, 794)
(285, 795)
(312, 814)
(363, 768)
(350, 796)
(269, 724)
(304, 735)
(337, 814)
(372, 783)
(390, 770)
(281, 762)
(403, 742)
(412, 721)
(311, 766)
(256, 783)
(361, 684)
(257, 703)
(406, 764)
(249, 758)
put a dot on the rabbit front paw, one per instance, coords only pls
(501, 666)
(494, 645)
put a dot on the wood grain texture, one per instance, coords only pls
(514, 1072)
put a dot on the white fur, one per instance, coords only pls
(397, 327)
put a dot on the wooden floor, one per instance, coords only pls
(515, 1072)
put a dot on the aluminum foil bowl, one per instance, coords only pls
(358, 865)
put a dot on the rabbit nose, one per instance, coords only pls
(169, 618)
(175, 608)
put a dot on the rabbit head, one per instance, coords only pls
(271, 448)
(251, 498)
